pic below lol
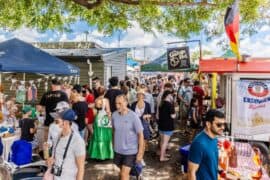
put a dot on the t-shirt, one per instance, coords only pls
(165, 122)
(76, 149)
(53, 133)
(204, 152)
(80, 109)
(186, 93)
(126, 129)
(25, 125)
(111, 96)
(199, 93)
(50, 100)
(95, 92)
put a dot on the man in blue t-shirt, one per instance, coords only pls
(128, 137)
(203, 153)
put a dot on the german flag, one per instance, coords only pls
(231, 22)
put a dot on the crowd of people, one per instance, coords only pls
(115, 122)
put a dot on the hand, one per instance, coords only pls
(139, 158)
(50, 161)
(145, 117)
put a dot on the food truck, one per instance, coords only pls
(245, 86)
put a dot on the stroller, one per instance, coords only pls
(34, 170)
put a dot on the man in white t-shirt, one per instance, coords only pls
(69, 165)
(54, 129)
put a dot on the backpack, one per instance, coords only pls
(21, 152)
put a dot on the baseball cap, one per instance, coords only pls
(61, 106)
(68, 115)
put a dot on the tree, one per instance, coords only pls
(195, 56)
(178, 17)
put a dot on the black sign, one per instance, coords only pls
(178, 58)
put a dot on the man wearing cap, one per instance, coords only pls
(49, 101)
(54, 129)
(128, 137)
(68, 155)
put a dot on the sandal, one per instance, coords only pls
(164, 160)
(168, 155)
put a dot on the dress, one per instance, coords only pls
(100, 145)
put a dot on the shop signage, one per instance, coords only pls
(253, 107)
(178, 58)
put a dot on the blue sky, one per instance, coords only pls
(257, 45)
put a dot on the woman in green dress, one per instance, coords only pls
(100, 145)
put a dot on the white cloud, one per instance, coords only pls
(265, 28)
(28, 35)
(145, 45)
(2, 38)
(155, 44)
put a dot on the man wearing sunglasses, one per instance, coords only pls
(203, 153)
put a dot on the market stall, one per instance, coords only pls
(18, 57)
(245, 88)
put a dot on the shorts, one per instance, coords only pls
(126, 160)
(168, 133)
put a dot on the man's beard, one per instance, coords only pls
(214, 131)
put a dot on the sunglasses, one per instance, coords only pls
(219, 125)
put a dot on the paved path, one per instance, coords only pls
(154, 170)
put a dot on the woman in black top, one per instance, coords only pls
(166, 122)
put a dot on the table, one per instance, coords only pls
(7, 143)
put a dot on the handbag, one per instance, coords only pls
(103, 119)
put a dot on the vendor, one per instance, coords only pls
(9, 110)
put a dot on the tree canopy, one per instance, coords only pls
(178, 17)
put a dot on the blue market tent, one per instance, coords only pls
(131, 62)
(19, 56)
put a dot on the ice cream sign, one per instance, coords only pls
(258, 89)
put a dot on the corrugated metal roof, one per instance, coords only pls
(91, 52)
